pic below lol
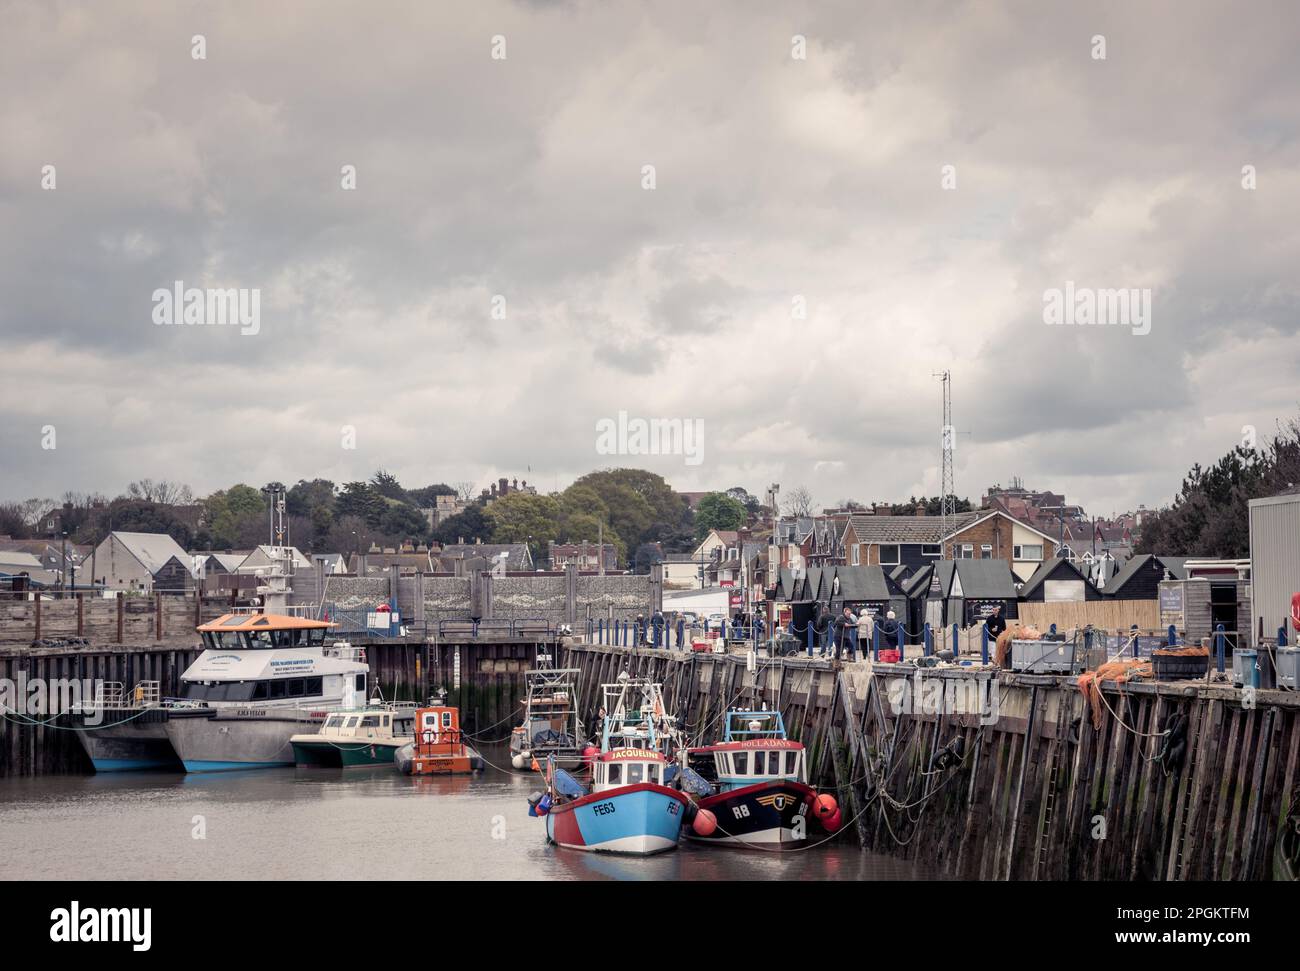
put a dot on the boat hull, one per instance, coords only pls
(125, 739)
(230, 739)
(771, 815)
(639, 820)
(343, 755)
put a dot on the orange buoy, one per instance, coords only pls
(825, 806)
(833, 822)
(705, 823)
(536, 767)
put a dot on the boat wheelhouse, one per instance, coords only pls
(550, 729)
(366, 736)
(761, 796)
(439, 746)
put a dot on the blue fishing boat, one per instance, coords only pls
(632, 805)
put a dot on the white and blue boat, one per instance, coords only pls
(632, 806)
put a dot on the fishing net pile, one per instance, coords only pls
(1130, 669)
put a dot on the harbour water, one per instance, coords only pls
(310, 824)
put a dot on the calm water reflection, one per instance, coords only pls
(311, 824)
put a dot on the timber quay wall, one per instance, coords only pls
(1032, 790)
(483, 676)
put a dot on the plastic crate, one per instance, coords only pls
(1179, 667)
(1288, 668)
(1042, 657)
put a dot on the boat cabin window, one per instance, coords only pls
(384, 720)
(370, 721)
(634, 770)
(220, 691)
(277, 689)
(403, 726)
(352, 722)
(334, 721)
(773, 763)
(791, 763)
(741, 762)
(613, 773)
(446, 719)
(361, 682)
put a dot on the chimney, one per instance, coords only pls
(505, 485)
(920, 509)
(881, 508)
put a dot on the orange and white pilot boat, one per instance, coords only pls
(439, 747)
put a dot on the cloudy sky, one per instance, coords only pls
(779, 182)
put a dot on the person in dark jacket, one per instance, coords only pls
(889, 632)
(995, 623)
(822, 626)
(845, 625)
(657, 623)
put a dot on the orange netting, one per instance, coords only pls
(1117, 671)
(1003, 645)
(1126, 670)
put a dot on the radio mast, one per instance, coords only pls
(947, 494)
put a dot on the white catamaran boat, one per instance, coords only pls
(261, 679)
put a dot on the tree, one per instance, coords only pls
(465, 490)
(1210, 514)
(163, 491)
(386, 485)
(798, 502)
(400, 522)
(237, 517)
(464, 527)
(753, 508)
(12, 521)
(427, 497)
(361, 499)
(718, 510)
(640, 505)
(521, 517)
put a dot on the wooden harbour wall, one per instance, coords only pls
(1039, 793)
(490, 684)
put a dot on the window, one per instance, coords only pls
(634, 770)
(614, 773)
(370, 721)
(857, 555)
(791, 762)
(446, 719)
(296, 687)
(773, 763)
(334, 721)
(315, 686)
(277, 689)
(741, 760)
(361, 682)
(1029, 551)
(889, 554)
(352, 722)
(931, 549)
(965, 552)
(986, 552)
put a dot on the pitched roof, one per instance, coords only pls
(518, 556)
(23, 562)
(1134, 565)
(908, 529)
(153, 550)
(1049, 566)
(986, 579)
(861, 583)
